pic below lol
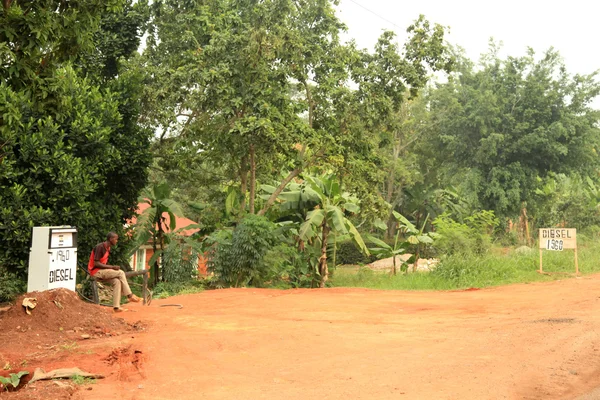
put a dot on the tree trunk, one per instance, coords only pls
(244, 183)
(155, 264)
(416, 259)
(252, 178)
(389, 195)
(160, 243)
(323, 270)
(394, 262)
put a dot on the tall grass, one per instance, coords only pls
(478, 271)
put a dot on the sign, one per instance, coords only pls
(558, 239)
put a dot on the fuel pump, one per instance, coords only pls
(52, 258)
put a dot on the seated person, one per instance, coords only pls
(99, 269)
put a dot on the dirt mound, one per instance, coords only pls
(59, 311)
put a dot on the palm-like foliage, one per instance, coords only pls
(328, 206)
(413, 237)
(153, 224)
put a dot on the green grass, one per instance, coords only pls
(467, 271)
(81, 380)
(167, 289)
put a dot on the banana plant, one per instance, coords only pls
(384, 250)
(413, 237)
(327, 216)
(152, 222)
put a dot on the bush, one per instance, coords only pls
(474, 236)
(10, 285)
(349, 253)
(288, 267)
(180, 264)
(238, 258)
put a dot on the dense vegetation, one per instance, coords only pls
(294, 151)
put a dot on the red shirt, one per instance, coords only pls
(100, 253)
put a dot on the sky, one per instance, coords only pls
(571, 26)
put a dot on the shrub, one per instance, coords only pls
(288, 267)
(473, 236)
(349, 253)
(237, 258)
(11, 285)
(455, 238)
(180, 264)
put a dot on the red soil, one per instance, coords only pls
(536, 341)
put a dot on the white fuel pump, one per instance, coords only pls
(52, 258)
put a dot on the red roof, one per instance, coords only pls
(180, 222)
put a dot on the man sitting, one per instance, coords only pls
(99, 269)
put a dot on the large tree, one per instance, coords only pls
(71, 152)
(501, 126)
(247, 91)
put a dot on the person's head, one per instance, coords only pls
(112, 238)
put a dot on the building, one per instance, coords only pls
(139, 260)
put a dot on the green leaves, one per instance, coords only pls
(13, 380)
(310, 227)
(512, 120)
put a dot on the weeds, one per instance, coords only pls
(82, 380)
(168, 289)
(69, 346)
(493, 268)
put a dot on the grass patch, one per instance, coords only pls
(81, 380)
(168, 289)
(477, 271)
(69, 346)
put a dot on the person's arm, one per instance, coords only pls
(99, 265)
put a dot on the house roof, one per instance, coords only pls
(180, 222)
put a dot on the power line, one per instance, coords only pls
(375, 14)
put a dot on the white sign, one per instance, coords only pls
(558, 239)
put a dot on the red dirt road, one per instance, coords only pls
(535, 341)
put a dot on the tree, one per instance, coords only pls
(512, 121)
(326, 216)
(249, 89)
(71, 152)
(152, 222)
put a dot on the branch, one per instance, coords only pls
(293, 173)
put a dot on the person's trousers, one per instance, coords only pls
(119, 282)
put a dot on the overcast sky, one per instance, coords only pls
(571, 27)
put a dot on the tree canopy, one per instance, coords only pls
(72, 152)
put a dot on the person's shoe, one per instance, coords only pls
(134, 299)
(119, 309)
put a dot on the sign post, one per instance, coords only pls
(558, 239)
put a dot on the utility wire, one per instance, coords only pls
(375, 14)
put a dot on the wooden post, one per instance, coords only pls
(541, 270)
(145, 288)
(576, 263)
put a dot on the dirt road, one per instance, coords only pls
(535, 341)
